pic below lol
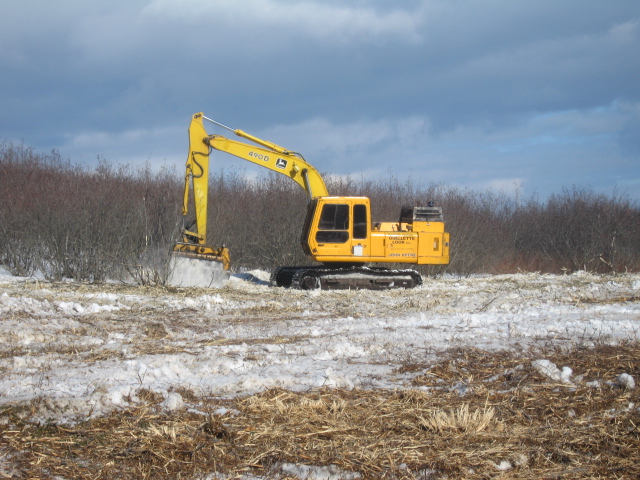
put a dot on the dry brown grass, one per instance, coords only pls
(511, 423)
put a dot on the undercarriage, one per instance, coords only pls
(344, 278)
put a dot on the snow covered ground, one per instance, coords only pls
(84, 350)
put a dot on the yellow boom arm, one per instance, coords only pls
(286, 163)
(268, 155)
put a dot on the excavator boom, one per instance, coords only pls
(268, 155)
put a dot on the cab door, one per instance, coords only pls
(333, 235)
(342, 230)
(360, 239)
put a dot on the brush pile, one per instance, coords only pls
(504, 417)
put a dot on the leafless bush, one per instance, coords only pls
(579, 230)
(18, 239)
(477, 223)
(260, 221)
(67, 221)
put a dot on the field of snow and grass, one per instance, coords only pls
(510, 376)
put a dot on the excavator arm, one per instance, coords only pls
(196, 179)
(194, 263)
(267, 155)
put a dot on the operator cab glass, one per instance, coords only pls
(334, 224)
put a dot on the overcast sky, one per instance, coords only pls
(486, 94)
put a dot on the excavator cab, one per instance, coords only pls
(338, 230)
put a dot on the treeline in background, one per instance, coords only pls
(62, 220)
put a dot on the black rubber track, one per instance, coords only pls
(354, 278)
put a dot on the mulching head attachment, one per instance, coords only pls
(193, 265)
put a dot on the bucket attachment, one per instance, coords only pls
(193, 265)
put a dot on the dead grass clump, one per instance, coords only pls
(148, 396)
(155, 330)
(460, 419)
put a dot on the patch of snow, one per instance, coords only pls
(258, 277)
(551, 371)
(626, 381)
(460, 388)
(173, 401)
(88, 353)
(311, 472)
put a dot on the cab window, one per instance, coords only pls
(360, 221)
(334, 224)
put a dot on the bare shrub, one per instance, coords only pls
(151, 224)
(68, 222)
(260, 221)
(119, 222)
(579, 230)
(479, 238)
(18, 238)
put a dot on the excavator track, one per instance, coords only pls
(350, 278)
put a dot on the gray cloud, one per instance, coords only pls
(483, 93)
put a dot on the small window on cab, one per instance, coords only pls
(360, 226)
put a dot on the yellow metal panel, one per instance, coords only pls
(197, 177)
(377, 245)
(401, 247)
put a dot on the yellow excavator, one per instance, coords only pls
(338, 231)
